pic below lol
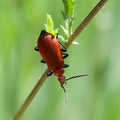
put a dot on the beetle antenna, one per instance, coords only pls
(66, 98)
(77, 76)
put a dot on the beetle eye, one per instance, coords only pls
(42, 32)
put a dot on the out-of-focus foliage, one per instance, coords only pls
(68, 15)
(92, 98)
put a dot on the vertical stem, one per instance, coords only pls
(84, 23)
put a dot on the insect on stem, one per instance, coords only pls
(70, 40)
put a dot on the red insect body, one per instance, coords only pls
(50, 51)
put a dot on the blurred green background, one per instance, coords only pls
(91, 98)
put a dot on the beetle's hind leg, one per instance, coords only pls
(65, 65)
(50, 73)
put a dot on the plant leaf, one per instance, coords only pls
(50, 26)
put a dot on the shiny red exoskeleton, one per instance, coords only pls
(51, 52)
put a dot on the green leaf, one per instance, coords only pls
(64, 30)
(50, 26)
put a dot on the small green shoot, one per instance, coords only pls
(50, 26)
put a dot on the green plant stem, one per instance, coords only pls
(70, 40)
(85, 22)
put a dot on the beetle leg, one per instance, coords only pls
(36, 48)
(65, 66)
(65, 55)
(57, 36)
(49, 73)
(63, 49)
(43, 61)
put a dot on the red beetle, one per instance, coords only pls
(51, 51)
